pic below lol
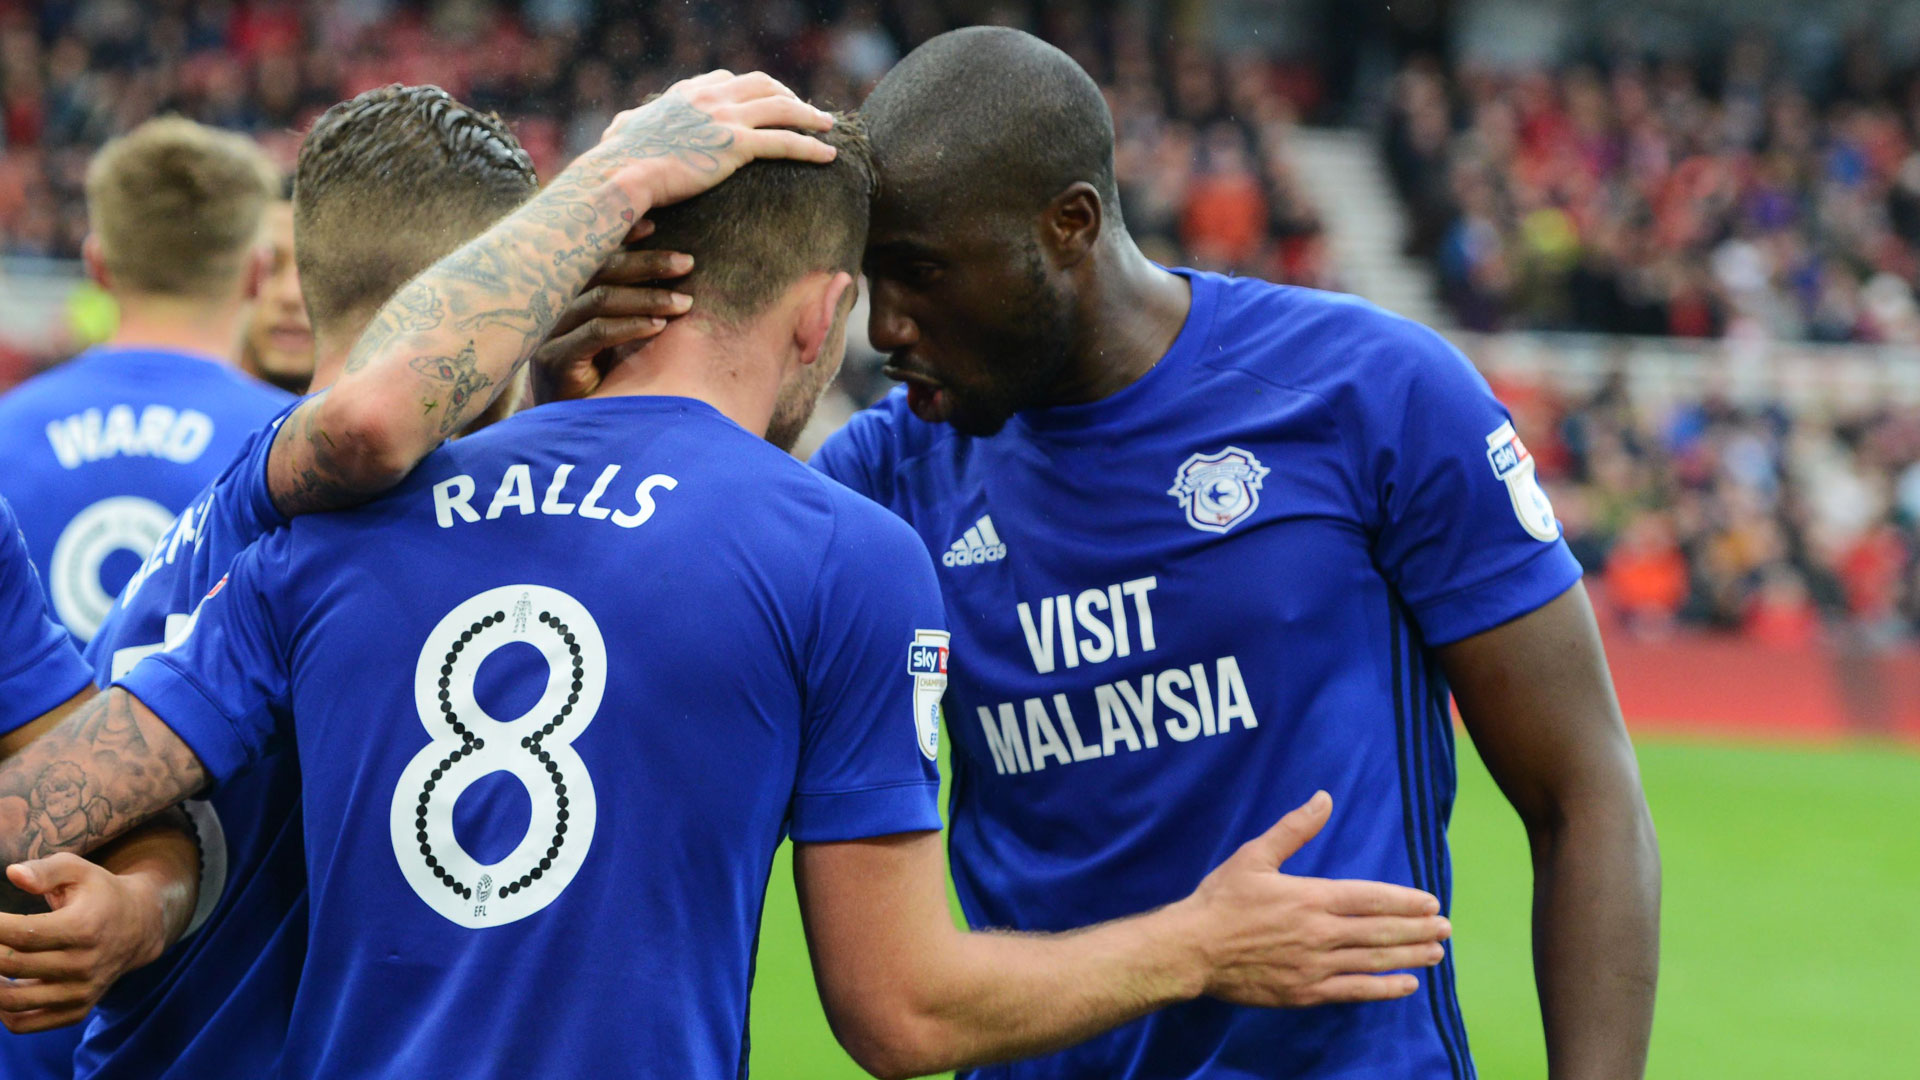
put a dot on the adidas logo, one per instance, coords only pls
(981, 544)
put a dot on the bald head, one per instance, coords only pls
(989, 119)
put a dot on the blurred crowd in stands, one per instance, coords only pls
(1706, 198)
(1788, 524)
(1698, 199)
(1202, 160)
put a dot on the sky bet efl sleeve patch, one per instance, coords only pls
(927, 663)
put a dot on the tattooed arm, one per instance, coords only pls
(448, 341)
(106, 768)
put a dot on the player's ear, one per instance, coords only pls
(96, 261)
(259, 268)
(1070, 225)
(827, 302)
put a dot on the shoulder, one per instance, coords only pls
(1324, 337)
(1362, 360)
(872, 447)
(253, 399)
(860, 523)
(844, 525)
(886, 433)
(50, 390)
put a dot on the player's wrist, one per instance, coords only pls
(614, 183)
(1177, 935)
(144, 905)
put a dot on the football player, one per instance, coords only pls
(1209, 544)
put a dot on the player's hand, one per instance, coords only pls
(697, 133)
(626, 302)
(57, 965)
(1274, 940)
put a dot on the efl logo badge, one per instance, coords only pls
(927, 663)
(1514, 467)
(1219, 490)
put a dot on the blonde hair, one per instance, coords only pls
(177, 207)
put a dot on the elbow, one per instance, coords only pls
(364, 451)
(1613, 814)
(896, 1046)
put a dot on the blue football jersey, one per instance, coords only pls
(556, 700)
(105, 449)
(101, 453)
(1183, 608)
(217, 1004)
(39, 667)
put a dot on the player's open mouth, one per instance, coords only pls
(929, 400)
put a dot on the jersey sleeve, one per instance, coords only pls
(876, 669)
(1465, 533)
(231, 512)
(39, 667)
(860, 455)
(224, 687)
(242, 493)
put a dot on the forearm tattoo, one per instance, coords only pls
(96, 775)
(462, 329)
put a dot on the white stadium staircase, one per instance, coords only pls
(1366, 223)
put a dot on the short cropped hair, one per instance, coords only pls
(176, 207)
(387, 184)
(989, 119)
(770, 224)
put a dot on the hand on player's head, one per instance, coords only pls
(1276, 940)
(628, 301)
(702, 129)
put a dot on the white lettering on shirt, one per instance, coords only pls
(647, 505)
(1092, 626)
(1200, 700)
(451, 495)
(159, 431)
(590, 506)
(516, 488)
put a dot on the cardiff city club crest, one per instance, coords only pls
(1219, 490)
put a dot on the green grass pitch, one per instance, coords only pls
(1791, 945)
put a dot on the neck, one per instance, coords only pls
(329, 358)
(333, 339)
(733, 374)
(1133, 314)
(210, 329)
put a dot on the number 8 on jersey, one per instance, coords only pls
(468, 744)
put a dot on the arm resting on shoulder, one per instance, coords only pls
(442, 348)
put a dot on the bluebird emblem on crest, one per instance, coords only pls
(1219, 490)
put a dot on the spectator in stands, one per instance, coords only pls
(1704, 201)
(1646, 575)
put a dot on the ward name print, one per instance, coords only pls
(467, 745)
(1143, 711)
(176, 435)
